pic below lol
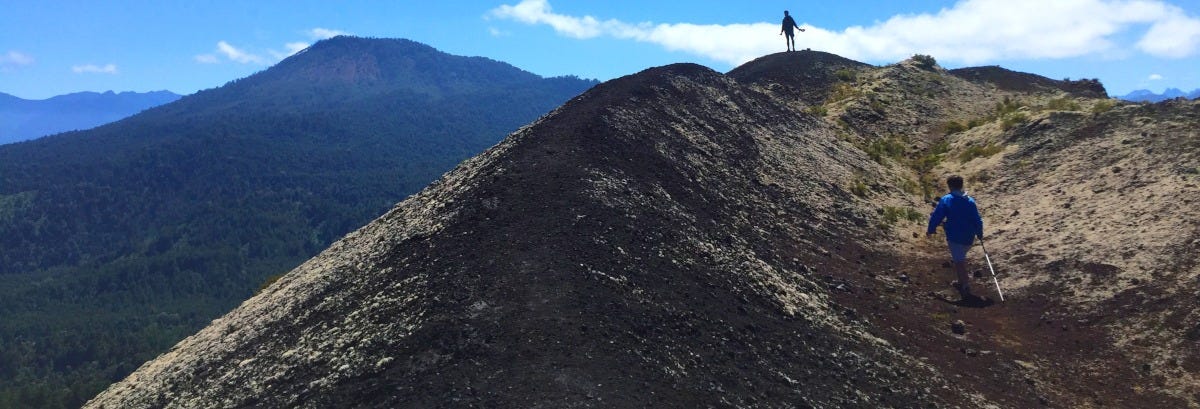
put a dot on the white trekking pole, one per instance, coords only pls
(989, 263)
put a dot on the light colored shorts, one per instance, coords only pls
(958, 252)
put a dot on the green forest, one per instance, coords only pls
(122, 240)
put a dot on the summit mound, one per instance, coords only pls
(684, 238)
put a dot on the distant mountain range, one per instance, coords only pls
(1144, 95)
(24, 119)
(120, 240)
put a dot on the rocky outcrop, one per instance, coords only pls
(1009, 80)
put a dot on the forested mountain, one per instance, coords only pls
(23, 119)
(120, 240)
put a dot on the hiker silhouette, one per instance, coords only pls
(788, 25)
(963, 225)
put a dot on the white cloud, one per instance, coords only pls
(1176, 36)
(323, 33)
(1154, 77)
(237, 55)
(290, 49)
(970, 31)
(12, 58)
(95, 69)
(207, 59)
(495, 32)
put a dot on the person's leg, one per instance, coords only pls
(964, 283)
(958, 254)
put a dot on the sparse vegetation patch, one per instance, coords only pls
(1062, 104)
(984, 151)
(1103, 106)
(1013, 119)
(846, 75)
(894, 214)
(953, 127)
(879, 149)
(842, 91)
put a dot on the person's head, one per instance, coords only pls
(785, 12)
(954, 182)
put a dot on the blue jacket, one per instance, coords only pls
(963, 222)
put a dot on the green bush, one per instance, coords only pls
(984, 151)
(1103, 106)
(845, 74)
(859, 188)
(885, 148)
(1007, 106)
(842, 91)
(893, 214)
(1012, 120)
(1062, 104)
(817, 110)
(925, 61)
(954, 127)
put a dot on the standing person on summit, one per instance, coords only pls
(963, 225)
(788, 25)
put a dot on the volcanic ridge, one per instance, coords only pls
(685, 238)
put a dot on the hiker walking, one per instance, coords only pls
(963, 225)
(788, 25)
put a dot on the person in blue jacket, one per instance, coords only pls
(963, 225)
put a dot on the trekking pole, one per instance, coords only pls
(989, 263)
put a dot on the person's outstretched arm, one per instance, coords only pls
(935, 218)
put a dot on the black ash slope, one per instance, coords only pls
(655, 241)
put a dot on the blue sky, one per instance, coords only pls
(55, 47)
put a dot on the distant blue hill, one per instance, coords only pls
(24, 119)
(1143, 95)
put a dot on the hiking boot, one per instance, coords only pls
(964, 291)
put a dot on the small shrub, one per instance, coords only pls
(1012, 120)
(842, 91)
(885, 148)
(893, 214)
(845, 74)
(910, 186)
(930, 184)
(925, 61)
(1007, 106)
(818, 110)
(954, 127)
(926, 163)
(976, 122)
(984, 151)
(1103, 106)
(859, 188)
(1062, 104)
